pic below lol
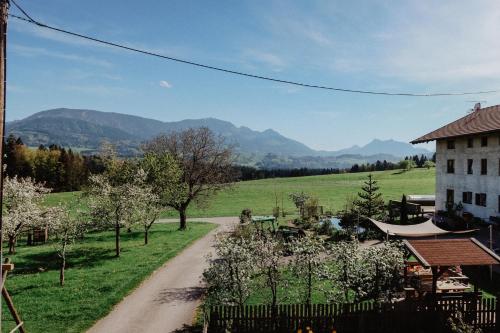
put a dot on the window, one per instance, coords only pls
(484, 141)
(470, 142)
(450, 144)
(450, 166)
(484, 166)
(467, 197)
(469, 166)
(450, 198)
(481, 199)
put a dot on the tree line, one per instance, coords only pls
(65, 170)
(58, 168)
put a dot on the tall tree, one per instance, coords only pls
(205, 162)
(370, 202)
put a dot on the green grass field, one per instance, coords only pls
(332, 191)
(95, 279)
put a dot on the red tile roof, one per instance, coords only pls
(485, 120)
(452, 252)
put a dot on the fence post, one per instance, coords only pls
(497, 314)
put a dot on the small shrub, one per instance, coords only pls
(246, 215)
(276, 212)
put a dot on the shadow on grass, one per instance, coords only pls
(78, 257)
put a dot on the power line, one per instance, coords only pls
(29, 19)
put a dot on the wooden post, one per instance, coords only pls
(4, 9)
(6, 268)
(497, 314)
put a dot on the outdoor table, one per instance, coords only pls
(263, 219)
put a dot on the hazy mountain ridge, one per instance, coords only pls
(80, 128)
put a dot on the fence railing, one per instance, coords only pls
(407, 316)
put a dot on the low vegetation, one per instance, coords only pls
(255, 265)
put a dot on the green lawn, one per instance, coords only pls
(332, 191)
(95, 279)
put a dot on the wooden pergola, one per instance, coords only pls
(440, 254)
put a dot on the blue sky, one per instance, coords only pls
(398, 46)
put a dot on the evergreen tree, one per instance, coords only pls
(370, 202)
(403, 211)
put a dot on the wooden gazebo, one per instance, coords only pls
(441, 254)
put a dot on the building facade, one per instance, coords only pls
(468, 163)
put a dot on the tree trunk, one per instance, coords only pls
(12, 245)
(117, 238)
(182, 215)
(61, 271)
(146, 229)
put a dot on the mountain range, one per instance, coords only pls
(86, 129)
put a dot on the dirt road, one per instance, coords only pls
(167, 300)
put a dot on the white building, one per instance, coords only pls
(468, 162)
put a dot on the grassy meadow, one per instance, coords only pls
(95, 279)
(332, 191)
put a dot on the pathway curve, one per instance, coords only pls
(167, 300)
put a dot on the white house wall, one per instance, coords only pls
(461, 182)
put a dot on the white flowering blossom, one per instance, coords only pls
(22, 202)
(268, 253)
(111, 204)
(308, 264)
(367, 273)
(146, 205)
(65, 229)
(230, 274)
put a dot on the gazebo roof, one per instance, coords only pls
(452, 252)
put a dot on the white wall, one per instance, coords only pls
(461, 182)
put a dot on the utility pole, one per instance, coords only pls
(4, 10)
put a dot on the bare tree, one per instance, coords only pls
(205, 162)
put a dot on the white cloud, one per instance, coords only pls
(269, 59)
(28, 51)
(165, 84)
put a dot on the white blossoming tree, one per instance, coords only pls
(65, 229)
(111, 203)
(346, 272)
(367, 273)
(308, 264)
(147, 206)
(383, 264)
(230, 273)
(22, 207)
(268, 253)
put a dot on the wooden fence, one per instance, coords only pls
(407, 316)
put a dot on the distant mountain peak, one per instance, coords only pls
(85, 129)
(389, 146)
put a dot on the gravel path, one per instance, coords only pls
(167, 300)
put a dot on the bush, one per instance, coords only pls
(246, 215)
(325, 227)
